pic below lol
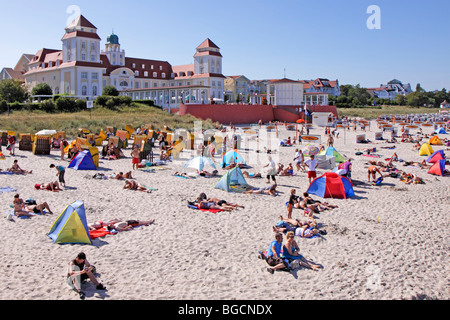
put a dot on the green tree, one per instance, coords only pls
(400, 99)
(42, 89)
(12, 91)
(110, 91)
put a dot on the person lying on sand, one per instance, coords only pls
(52, 186)
(270, 190)
(122, 176)
(133, 185)
(128, 225)
(102, 224)
(206, 204)
(219, 202)
(205, 173)
(246, 174)
(183, 174)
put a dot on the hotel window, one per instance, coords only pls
(84, 90)
(136, 85)
(155, 74)
(136, 73)
(83, 56)
(160, 67)
(151, 67)
(124, 84)
(84, 75)
(145, 74)
(134, 65)
(143, 66)
(145, 85)
(163, 84)
(83, 45)
(163, 75)
(155, 85)
(95, 76)
(92, 46)
(92, 57)
(94, 91)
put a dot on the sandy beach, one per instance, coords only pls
(388, 242)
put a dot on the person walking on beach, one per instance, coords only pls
(271, 170)
(80, 270)
(60, 170)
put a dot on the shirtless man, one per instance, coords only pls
(128, 225)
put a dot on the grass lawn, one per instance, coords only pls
(100, 118)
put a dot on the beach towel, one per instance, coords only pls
(208, 210)
(372, 155)
(98, 233)
(7, 189)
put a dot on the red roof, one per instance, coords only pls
(207, 44)
(82, 34)
(81, 21)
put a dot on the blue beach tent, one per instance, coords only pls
(71, 226)
(83, 161)
(231, 156)
(440, 131)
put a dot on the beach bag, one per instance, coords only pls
(8, 147)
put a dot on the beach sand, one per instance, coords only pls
(387, 242)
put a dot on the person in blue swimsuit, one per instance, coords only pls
(291, 251)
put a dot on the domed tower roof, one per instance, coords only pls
(112, 39)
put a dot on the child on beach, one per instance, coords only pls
(135, 156)
(292, 200)
(60, 174)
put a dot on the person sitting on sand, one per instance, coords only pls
(127, 225)
(133, 185)
(16, 169)
(80, 270)
(273, 258)
(21, 209)
(291, 250)
(289, 171)
(270, 190)
(52, 186)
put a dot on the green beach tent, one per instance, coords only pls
(332, 152)
(232, 181)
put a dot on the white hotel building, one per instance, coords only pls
(82, 69)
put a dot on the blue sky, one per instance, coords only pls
(259, 39)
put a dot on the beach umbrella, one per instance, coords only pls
(310, 150)
(199, 163)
